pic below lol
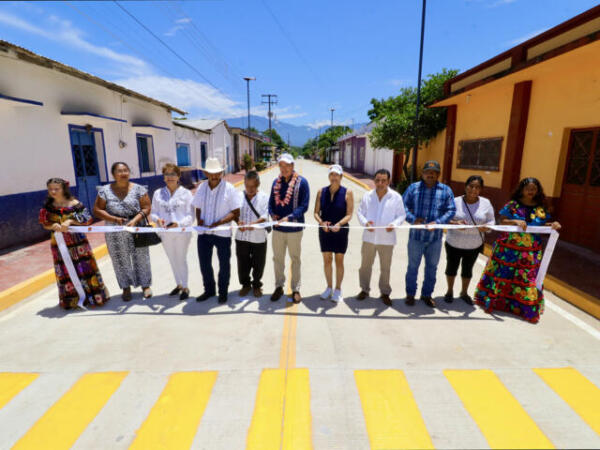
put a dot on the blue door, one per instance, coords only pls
(86, 166)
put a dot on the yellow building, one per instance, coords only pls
(533, 110)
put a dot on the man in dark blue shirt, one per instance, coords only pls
(288, 203)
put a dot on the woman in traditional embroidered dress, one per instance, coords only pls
(333, 211)
(125, 203)
(172, 207)
(509, 280)
(60, 211)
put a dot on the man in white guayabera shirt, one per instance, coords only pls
(381, 207)
(217, 203)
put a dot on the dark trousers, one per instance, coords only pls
(250, 257)
(454, 256)
(206, 242)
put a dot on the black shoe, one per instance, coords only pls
(222, 298)
(428, 301)
(386, 299)
(175, 291)
(448, 298)
(204, 297)
(410, 300)
(467, 299)
(362, 295)
(277, 294)
(184, 294)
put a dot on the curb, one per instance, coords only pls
(24, 289)
(576, 297)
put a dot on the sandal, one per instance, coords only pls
(147, 292)
(449, 297)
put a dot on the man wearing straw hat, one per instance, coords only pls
(217, 203)
(288, 203)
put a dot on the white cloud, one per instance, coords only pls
(179, 25)
(184, 20)
(62, 31)
(188, 94)
(327, 123)
(525, 37)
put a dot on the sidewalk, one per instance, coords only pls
(26, 262)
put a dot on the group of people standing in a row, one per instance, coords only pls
(508, 282)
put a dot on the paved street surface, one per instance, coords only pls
(252, 373)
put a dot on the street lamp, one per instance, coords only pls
(414, 156)
(332, 110)
(248, 80)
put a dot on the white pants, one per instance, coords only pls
(176, 247)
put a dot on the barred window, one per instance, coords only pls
(481, 154)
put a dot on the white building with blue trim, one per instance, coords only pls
(57, 121)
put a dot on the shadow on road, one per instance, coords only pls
(172, 306)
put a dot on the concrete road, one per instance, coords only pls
(252, 373)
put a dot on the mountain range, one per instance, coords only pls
(297, 134)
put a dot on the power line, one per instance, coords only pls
(290, 40)
(168, 47)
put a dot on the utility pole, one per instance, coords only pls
(271, 100)
(416, 126)
(332, 110)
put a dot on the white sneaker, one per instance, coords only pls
(337, 296)
(326, 294)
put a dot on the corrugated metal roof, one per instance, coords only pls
(365, 129)
(184, 124)
(31, 57)
(205, 124)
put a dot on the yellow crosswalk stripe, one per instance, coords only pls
(13, 383)
(62, 424)
(281, 418)
(500, 417)
(174, 418)
(391, 414)
(581, 394)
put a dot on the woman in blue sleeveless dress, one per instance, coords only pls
(333, 210)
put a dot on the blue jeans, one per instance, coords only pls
(206, 242)
(416, 251)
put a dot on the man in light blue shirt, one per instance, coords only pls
(427, 202)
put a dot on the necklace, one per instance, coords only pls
(288, 194)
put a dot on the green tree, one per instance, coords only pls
(275, 138)
(395, 116)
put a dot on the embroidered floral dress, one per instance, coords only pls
(508, 281)
(81, 254)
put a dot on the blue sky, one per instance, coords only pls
(314, 54)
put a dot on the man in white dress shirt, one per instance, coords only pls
(250, 242)
(217, 203)
(381, 207)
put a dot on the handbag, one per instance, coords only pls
(145, 239)
(267, 229)
(473, 220)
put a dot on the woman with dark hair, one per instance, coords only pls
(172, 207)
(60, 211)
(125, 203)
(463, 246)
(508, 282)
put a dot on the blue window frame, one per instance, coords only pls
(145, 147)
(183, 155)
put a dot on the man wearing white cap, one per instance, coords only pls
(381, 207)
(217, 203)
(288, 203)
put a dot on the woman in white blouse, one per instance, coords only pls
(463, 246)
(172, 207)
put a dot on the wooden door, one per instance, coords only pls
(580, 198)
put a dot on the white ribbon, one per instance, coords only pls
(543, 269)
(66, 256)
